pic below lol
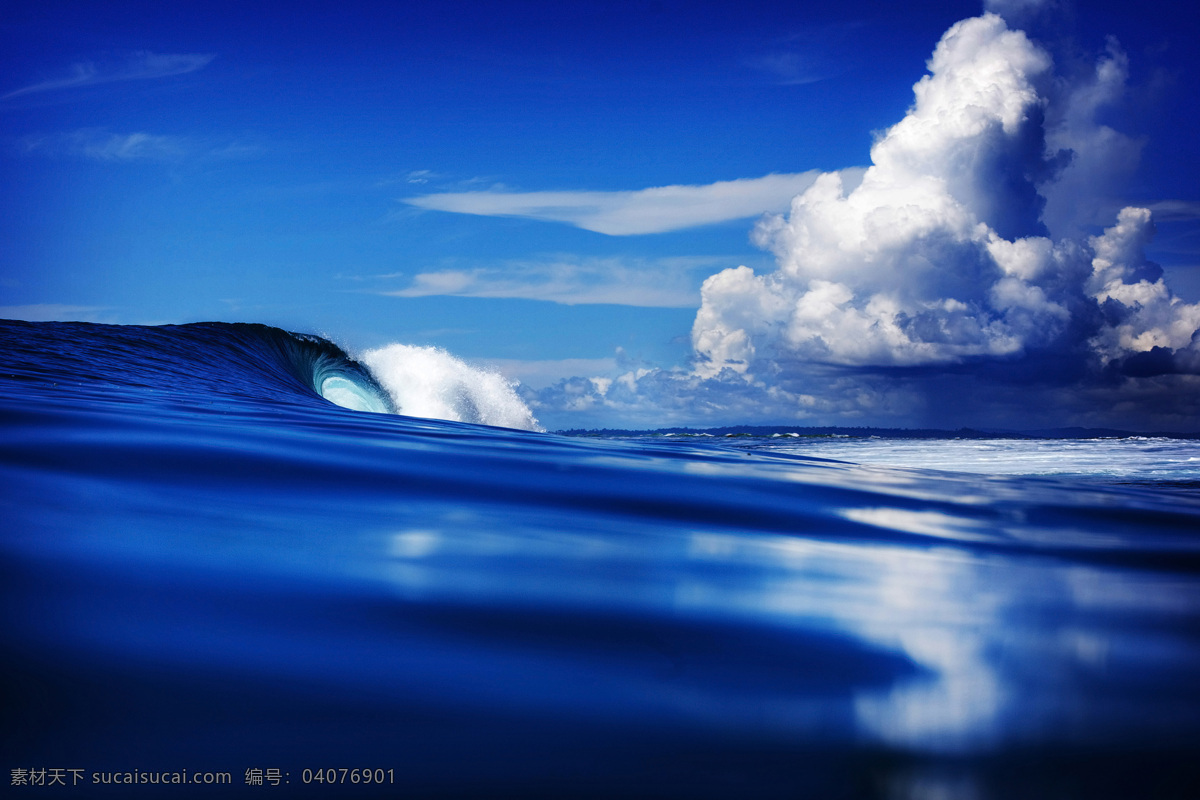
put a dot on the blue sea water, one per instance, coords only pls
(209, 566)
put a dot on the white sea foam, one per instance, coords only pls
(1141, 458)
(429, 382)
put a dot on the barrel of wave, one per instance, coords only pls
(429, 382)
(348, 393)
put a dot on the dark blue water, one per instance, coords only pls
(207, 566)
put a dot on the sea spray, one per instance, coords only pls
(429, 382)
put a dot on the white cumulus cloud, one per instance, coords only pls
(981, 272)
(940, 255)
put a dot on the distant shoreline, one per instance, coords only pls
(884, 433)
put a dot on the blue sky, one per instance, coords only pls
(543, 187)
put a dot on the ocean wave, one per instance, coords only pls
(212, 360)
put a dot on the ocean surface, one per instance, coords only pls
(224, 552)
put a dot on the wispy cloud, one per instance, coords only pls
(1016, 11)
(1175, 210)
(57, 312)
(806, 56)
(430, 180)
(421, 176)
(142, 65)
(101, 145)
(789, 68)
(656, 283)
(655, 210)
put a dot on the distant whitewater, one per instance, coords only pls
(205, 563)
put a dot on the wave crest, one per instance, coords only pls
(429, 382)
